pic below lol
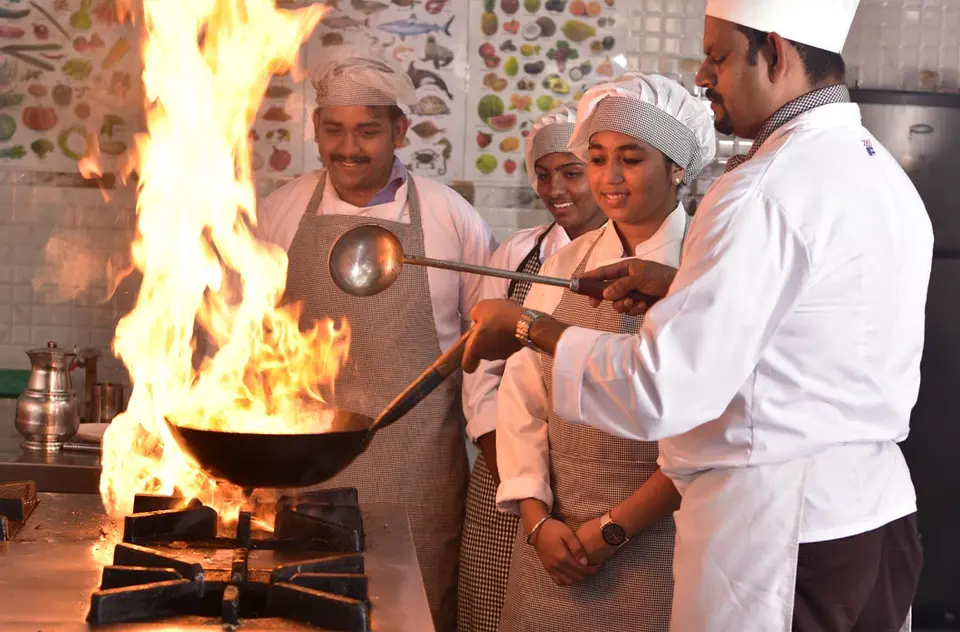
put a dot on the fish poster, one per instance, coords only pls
(525, 58)
(69, 78)
(425, 38)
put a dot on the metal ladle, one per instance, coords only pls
(367, 259)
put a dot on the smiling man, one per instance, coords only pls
(421, 461)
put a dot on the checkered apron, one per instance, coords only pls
(488, 533)
(421, 460)
(591, 472)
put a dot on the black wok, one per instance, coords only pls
(253, 460)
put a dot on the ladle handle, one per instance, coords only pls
(485, 271)
(445, 366)
(594, 289)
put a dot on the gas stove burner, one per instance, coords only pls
(17, 502)
(172, 562)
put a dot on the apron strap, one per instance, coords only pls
(534, 252)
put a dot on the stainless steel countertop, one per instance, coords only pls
(49, 571)
(64, 472)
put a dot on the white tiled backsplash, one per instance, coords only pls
(909, 44)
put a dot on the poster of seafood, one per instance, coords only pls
(69, 78)
(526, 57)
(427, 39)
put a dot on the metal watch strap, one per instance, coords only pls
(527, 318)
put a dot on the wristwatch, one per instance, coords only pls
(613, 534)
(527, 318)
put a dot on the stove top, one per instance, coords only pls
(328, 565)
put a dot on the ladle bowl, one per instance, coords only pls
(366, 260)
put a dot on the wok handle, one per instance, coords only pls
(594, 288)
(445, 366)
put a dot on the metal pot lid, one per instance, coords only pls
(52, 350)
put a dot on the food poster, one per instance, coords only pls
(428, 39)
(526, 57)
(277, 133)
(69, 77)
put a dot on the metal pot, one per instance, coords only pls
(48, 411)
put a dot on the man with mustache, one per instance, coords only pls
(779, 370)
(420, 461)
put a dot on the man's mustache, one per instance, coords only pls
(356, 159)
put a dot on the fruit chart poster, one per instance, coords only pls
(526, 57)
(427, 40)
(69, 78)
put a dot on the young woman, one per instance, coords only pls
(595, 547)
(560, 180)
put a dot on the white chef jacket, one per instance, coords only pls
(794, 328)
(480, 387)
(522, 447)
(452, 230)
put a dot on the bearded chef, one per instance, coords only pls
(779, 370)
(398, 333)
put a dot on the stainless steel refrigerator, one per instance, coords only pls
(923, 132)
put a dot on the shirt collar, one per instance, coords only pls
(398, 175)
(554, 240)
(804, 103)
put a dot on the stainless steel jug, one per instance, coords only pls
(48, 411)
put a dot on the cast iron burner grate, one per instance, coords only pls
(17, 502)
(172, 563)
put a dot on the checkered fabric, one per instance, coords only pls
(484, 554)
(551, 139)
(421, 461)
(790, 111)
(337, 90)
(650, 124)
(518, 290)
(591, 472)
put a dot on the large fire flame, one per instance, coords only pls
(205, 278)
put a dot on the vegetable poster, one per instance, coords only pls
(427, 38)
(526, 57)
(69, 77)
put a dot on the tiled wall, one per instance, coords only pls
(894, 44)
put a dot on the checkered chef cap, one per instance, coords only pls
(351, 77)
(653, 109)
(549, 135)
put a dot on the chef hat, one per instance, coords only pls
(653, 109)
(353, 77)
(819, 23)
(549, 135)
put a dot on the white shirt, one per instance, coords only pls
(794, 328)
(480, 387)
(523, 451)
(452, 230)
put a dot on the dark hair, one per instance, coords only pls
(820, 65)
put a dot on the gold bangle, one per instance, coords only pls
(536, 528)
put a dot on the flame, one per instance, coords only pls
(206, 281)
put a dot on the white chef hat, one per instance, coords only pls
(549, 135)
(651, 108)
(348, 76)
(818, 23)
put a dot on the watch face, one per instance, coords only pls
(613, 534)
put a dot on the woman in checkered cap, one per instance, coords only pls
(595, 545)
(560, 180)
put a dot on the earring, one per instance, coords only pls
(676, 181)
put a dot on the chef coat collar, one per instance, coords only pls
(804, 103)
(554, 240)
(660, 248)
